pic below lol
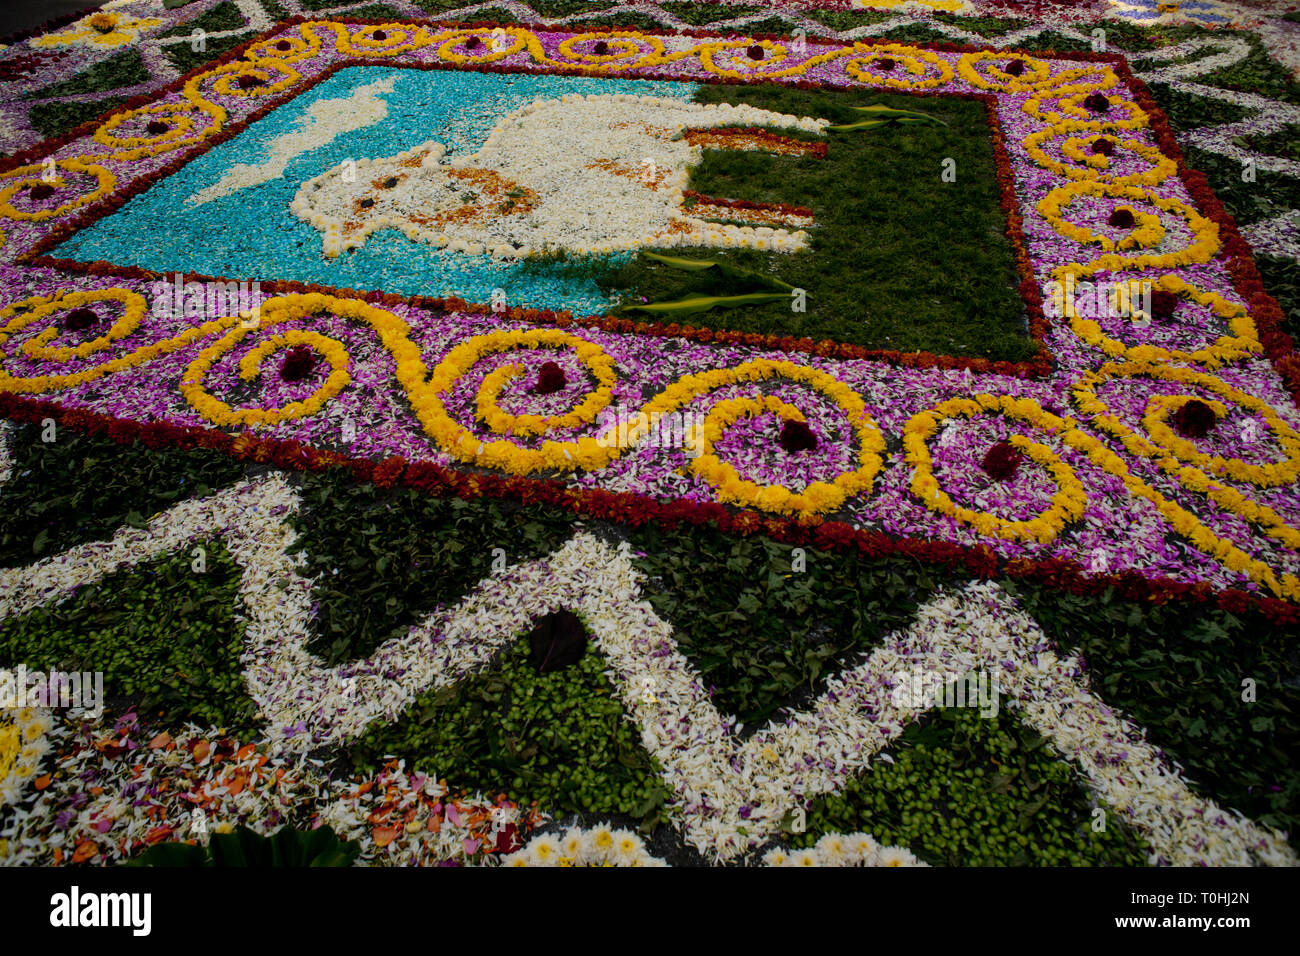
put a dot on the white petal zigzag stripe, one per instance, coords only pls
(6, 459)
(721, 786)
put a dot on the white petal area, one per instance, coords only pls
(728, 796)
(324, 121)
(582, 174)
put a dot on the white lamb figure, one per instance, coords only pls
(582, 174)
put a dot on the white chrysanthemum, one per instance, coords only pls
(804, 858)
(894, 856)
(574, 843)
(834, 850)
(601, 842)
(627, 845)
(865, 848)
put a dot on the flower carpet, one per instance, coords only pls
(564, 433)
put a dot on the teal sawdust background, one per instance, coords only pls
(252, 234)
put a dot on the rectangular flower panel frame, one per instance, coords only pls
(1153, 514)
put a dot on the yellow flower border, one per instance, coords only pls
(104, 183)
(1178, 457)
(914, 60)
(1037, 75)
(1068, 503)
(1205, 232)
(598, 363)
(1173, 450)
(219, 413)
(39, 307)
(816, 498)
(1241, 341)
(1161, 166)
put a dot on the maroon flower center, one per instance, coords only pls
(885, 65)
(1097, 102)
(797, 437)
(298, 363)
(157, 127)
(1103, 146)
(1121, 218)
(379, 35)
(756, 52)
(471, 43)
(550, 378)
(41, 191)
(283, 45)
(79, 320)
(1002, 461)
(558, 640)
(601, 47)
(1163, 304)
(1194, 419)
(1015, 67)
(247, 81)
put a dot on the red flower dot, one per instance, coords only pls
(797, 437)
(283, 45)
(756, 52)
(1015, 67)
(1103, 146)
(1194, 419)
(1002, 461)
(471, 43)
(298, 363)
(885, 65)
(157, 127)
(80, 319)
(247, 81)
(1163, 304)
(1121, 218)
(601, 48)
(550, 378)
(379, 35)
(41, 191)
(1097, 102)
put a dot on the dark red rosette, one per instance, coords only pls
(78, 320)
(601, 48)
(284, 45)
(379, 35)
(471, 43)
(1015, 68)
(885, 64)
(157, 127)
(797, 437)
(1002, 461)
(247, 81)
(755, 52)
(550, 378)
(1103, 146)
(298, 363)
(1121, 218)
(1097, 102)
(1194, 419)
(41, 191)
(1163, 305)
